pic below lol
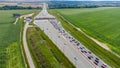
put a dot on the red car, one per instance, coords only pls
(89, 52)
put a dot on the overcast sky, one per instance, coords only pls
(60, 0)
(88, 0)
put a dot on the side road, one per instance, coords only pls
(27, 52)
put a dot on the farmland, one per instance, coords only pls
(100, 23)
(105, 55)
(10, 49)
(44, 52)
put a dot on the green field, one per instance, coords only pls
(101, 23)
(10, 49)
(44, 52)
(105, 55)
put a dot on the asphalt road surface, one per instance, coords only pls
(27, 52)
(64, 45)
(77, 53)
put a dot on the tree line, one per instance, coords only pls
(83, 4)
(17, 7)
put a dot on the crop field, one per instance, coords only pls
(101, 23)
(44, 52)
(10, 49)
(105, 55)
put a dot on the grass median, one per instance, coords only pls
(44, 51)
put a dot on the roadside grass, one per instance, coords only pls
(14, 53)
(6, 16)
(44, 52)
(10, 39)
(22, 46)
(101, 23)
(35, 13)
(11, 36)
(105, 55)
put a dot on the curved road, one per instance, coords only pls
(27, 52)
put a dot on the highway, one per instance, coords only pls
(76, 52)
(62, 43)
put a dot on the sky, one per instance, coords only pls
(60, 0)
(91, 0)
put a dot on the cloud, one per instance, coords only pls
(59, 0)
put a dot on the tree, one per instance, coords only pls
(16, 15)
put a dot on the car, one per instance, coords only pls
(103, 66)
(90, 57)
(63, 31)
(97, 59)
(78, 44)
(83, 51)
(64, 34)
(89, 52)
(58, 36)
(76, 41)
(82, 47)
(70, 40)
(73, 39)
(69, 37)
(65, 44)
(95, 63)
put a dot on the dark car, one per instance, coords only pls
(73, 39)
(97, 60)
(78, 44)
(83, 51)
(82, 47)
(95, 63)
(58, 36)
(69, 37)
(76, 41)
(103, 66)
(90, 57)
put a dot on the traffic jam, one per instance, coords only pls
(81, 48)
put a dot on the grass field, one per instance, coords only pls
(106, 56)
(101, 23)
(10, 50)
(44, 52)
